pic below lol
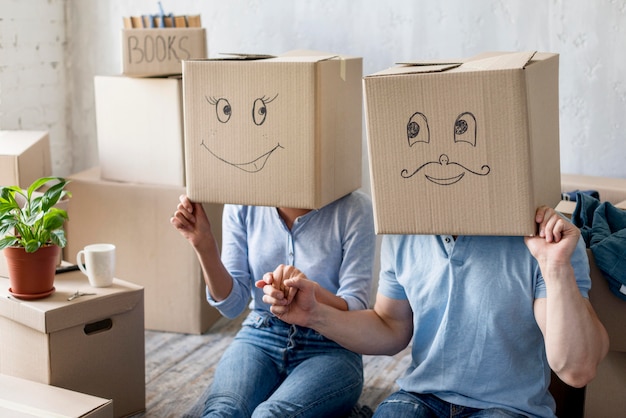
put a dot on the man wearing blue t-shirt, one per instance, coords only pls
(488, 318)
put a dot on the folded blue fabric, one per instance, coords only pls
(603, 227)
(572, 196)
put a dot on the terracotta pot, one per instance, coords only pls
(31, 275)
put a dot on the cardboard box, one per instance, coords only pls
(93, 344)
(282, 131)
(611, 189)
(150, 251)
(24, 157)
(21, 398)
(605, 394)
(566, 207)
(139, 123)
(466, 146)
(158, 52)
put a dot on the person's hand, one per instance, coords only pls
(191, 221)
(290, 293)
(556, 240)
(273, 285)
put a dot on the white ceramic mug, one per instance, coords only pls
(99, 264)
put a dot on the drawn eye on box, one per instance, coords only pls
(259, 113)
(443, 172)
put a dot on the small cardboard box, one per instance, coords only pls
(24, 157)
(464, 146)
(149, 250)
(279, 131)
(566, 207)
(604, 396)
(139, 124)
(21, 398)
(611, 189)
(92, 344)
(157, 52)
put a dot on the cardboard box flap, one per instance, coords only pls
(15, 142)
(21, 397)
(415, 68)
(54, 313)
(504, 61)
(241, 56)
(482, 62)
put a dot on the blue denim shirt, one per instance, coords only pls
(333, 246)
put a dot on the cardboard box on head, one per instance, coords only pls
(273, 131)
(464, 146)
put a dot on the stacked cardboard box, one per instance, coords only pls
(28, 399)
(130, 197)
(92, 344)
(150, 252)
(156, 45)
(24, 157)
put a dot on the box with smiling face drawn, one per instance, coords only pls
(273, 131)
(464, 147)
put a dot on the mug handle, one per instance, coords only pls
(80, 255)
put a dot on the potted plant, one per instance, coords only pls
(32, 235)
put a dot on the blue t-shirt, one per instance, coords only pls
(333, 246)
(475, 338)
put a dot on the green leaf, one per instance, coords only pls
(8, 241)
(54, 219)
(38, 222)
(40, 182)
(32, 246)
(58, 238)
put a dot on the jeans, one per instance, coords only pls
(273, 369)
(406, 404)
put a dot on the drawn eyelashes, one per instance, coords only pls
(224, 110)
(464, 129)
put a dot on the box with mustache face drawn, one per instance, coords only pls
(273, 131)
(464, 146)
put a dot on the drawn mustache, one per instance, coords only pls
(444, 160)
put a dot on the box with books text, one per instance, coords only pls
(150, 49)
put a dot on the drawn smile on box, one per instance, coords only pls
(443, 171)
(224, 111)
(251, 166)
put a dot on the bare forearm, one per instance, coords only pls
(328, 298)
(575, 339)
(361, 331)
(216, 277)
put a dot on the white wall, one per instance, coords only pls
(51, 49)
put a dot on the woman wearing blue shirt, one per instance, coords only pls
(273, 368)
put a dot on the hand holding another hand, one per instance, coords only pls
(290, 293)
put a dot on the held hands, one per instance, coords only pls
(290, 293)
(556, 240)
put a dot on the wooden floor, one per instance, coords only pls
(179, 367)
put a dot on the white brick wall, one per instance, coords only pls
(33, 72)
